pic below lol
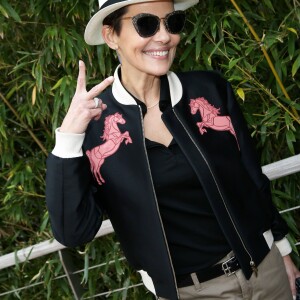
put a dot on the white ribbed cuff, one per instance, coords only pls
(284, 246)
(68, 145)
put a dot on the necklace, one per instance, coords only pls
(151, 106)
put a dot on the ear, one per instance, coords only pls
(110, 37)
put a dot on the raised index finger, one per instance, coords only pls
(81, 80)
(97, 89)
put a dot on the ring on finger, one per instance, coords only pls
(96, 100)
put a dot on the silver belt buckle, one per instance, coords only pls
(226, 268)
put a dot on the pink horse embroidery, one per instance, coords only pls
(113, 139)
(210, 117)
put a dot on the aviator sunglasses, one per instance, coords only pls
(147, 25)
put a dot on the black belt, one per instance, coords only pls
(227, 268)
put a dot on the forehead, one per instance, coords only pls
(159, 8)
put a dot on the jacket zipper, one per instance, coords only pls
(252, 263)
(156, 202)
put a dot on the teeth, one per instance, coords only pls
(158, 53)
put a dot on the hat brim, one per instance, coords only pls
(93, 35)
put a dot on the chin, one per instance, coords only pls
(158, 70)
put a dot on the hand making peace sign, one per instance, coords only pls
(84, 106)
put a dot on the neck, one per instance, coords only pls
(143, 86)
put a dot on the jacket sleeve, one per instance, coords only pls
(74, 213)
(251, 162)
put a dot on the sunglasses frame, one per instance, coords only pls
(136, 18)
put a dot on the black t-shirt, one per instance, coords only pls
(194, 236)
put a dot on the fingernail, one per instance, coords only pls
(104, 106)
(80, 63)
(111, 78)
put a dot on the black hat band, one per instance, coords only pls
(111, 2)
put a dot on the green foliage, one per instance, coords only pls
(41, 43)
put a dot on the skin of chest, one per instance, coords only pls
(155, 129)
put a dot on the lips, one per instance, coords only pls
(157, 53)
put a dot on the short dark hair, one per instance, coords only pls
(114, 19)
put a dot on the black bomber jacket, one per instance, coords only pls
(109, 172)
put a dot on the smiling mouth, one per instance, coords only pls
(157, 53)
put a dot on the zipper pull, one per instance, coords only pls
(254, 268)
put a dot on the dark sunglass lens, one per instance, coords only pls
(175, 22)
(147, 25)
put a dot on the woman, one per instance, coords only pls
(169, 159)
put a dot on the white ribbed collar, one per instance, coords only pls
(123, 97)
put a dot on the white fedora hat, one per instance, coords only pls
(93, 29)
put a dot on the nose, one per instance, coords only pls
(162, 35)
